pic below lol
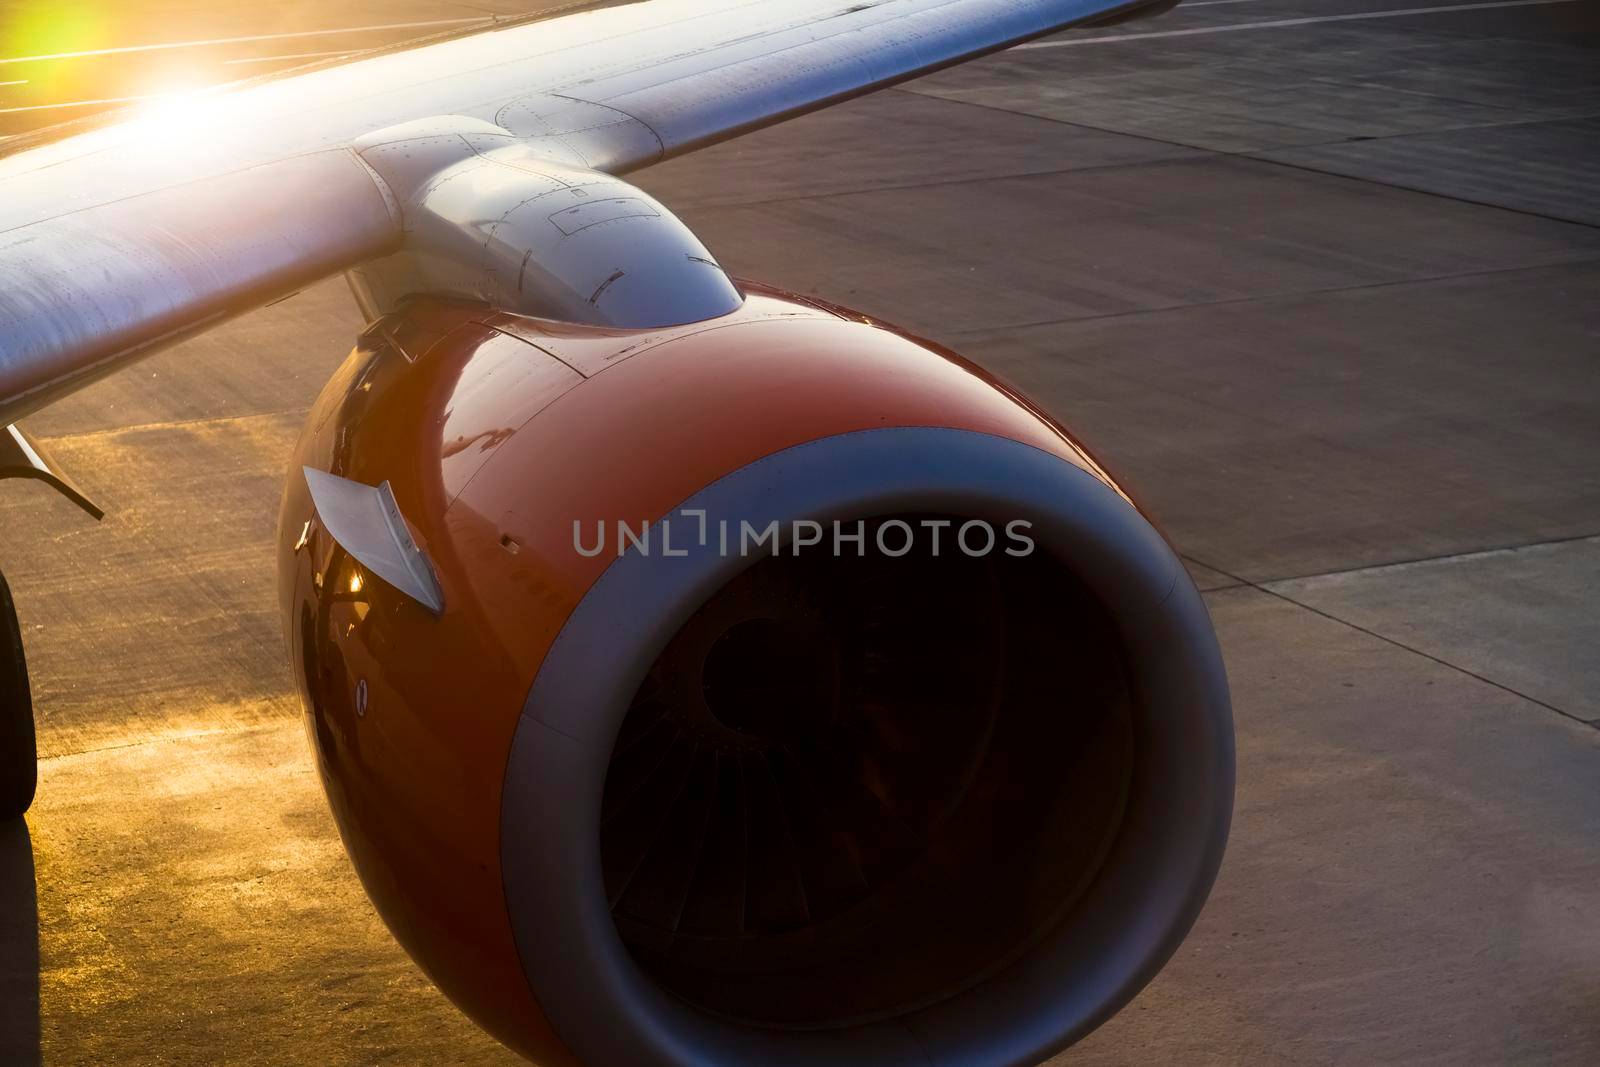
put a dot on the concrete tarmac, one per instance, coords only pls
(1320, 280)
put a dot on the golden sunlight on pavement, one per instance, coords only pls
(192, 889)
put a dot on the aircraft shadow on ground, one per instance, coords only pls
(19, 947)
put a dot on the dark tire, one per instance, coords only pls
(19, 763)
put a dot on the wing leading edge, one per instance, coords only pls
(120, 240)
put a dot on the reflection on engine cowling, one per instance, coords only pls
(634, 808)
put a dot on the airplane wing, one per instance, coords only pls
(120, 240)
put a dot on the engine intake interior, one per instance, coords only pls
(853, 785)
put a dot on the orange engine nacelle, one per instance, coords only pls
(800, 693)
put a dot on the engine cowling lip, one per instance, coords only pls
(605, 1008)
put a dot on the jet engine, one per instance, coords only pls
(699, 673)
(775, 687)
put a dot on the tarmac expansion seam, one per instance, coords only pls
(1191, 155)
(1273, 24)
(1259, 587)
(1446, 557)
(1264, 298)
(1259, 155)
(238, 729)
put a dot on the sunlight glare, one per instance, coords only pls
(174, 112)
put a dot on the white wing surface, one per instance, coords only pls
(116, 241)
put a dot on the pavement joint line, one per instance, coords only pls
(296, 55)
(1281, 23)
(1336, 82)
(1261, 588)
(1202, 149)
(1199, 151)
(1051, 118)
(162, 739)
(83, 103)
(1457, 197)
(1254, 153)
(1264, 298)
(1258, 155)
(1476, 553)
(1365, 139)
(937, 184)
(1189, 561)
